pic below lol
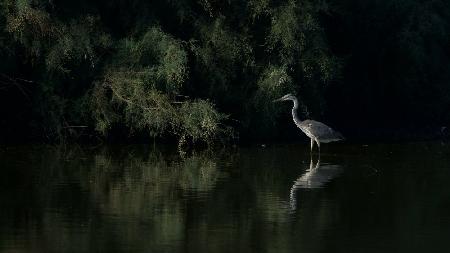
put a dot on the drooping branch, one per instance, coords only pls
(128, 101)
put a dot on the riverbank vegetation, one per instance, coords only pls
(205, 70)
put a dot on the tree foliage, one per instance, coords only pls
(133, 65)
(195, 69)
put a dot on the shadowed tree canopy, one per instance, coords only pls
(396, 65)
(206, 70)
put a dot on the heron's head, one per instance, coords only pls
(285, 98)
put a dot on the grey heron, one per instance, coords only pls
(317, 131)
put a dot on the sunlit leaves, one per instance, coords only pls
(79, 42)
(141, 84)
(29, 26)
(200, 120)
(165, 69)
(162, 59)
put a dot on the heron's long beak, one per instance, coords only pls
(277, 100)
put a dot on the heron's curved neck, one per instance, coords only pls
(295, 103)
(294, 112)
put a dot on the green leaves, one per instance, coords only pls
(200, 121)
(80, 42)
(142, 82)
(138, 67)
(160, 59)
(29, 26)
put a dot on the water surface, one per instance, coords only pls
(354, 198)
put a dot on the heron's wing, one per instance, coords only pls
(322, 132)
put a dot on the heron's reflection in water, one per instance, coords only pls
(315, 177)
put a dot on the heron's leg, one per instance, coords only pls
(318, 144)
(312, 144)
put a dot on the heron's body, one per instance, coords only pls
(315, 130)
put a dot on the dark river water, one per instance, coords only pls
(354, 198)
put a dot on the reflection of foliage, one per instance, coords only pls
(131, 184)
(140, 186)
(138, 199)
(119, 193)
(199, 174)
